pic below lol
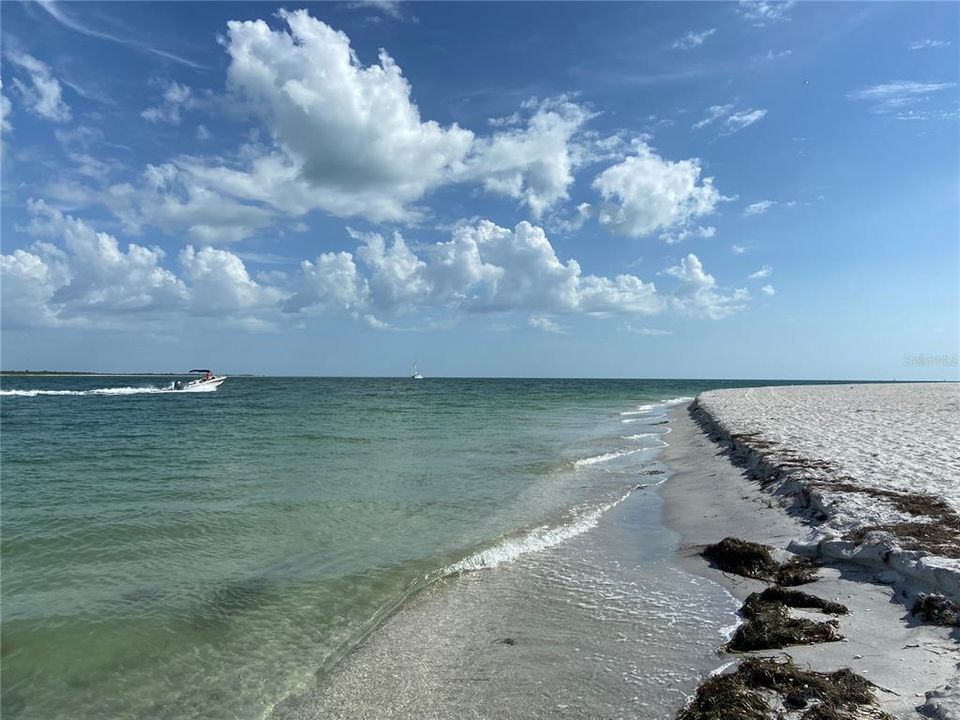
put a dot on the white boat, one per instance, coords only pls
(208, 383)
(416, 374)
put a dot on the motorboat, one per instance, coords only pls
(208, 383)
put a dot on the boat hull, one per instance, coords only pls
(203, 385)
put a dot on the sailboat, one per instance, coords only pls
(416, 374)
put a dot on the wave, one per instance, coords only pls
(604, 457)
(538, 539)
(96, 391)
(677, 401)
(639, 410)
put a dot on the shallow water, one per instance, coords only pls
(172, 555)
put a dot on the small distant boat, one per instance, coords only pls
(416, 374)
(208, 383)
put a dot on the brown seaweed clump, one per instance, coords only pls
(790, 598)
(769, 626)
(761, 688)
(754, 560)
(937, 609)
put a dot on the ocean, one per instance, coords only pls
(176, 555)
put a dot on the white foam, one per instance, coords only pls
(604, 457)
(536, 540)
(640, 410)
(96, 391)
(677, 401)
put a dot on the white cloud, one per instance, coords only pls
(693, 39)
(171, 198)
(351, 132)
(652, 332)
(202, 133)
(768, 290)
(730, 119)
(763, 272)
(758, 208)
(928, 44)
(763, 12)
(898, 94)
(175, 97)
(534, 164)
(738, 249)
(544, 324)
(701, 232)
(482, 268)
(5, 125)
(44, 96)
(219, 283)
(646, 193)
(92, 275)
(699, 294)
(90, 279)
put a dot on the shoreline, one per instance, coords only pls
(708, 498)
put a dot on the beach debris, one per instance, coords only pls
(936, 609)
(769, 626)
(791, 598)
(760, 688)
(640, 486)
(750, 559)
(505, 641)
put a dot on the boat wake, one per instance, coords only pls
(97, 391)
(152, 390)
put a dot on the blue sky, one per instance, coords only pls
(750, 190)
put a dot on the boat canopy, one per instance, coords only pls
(202, 371)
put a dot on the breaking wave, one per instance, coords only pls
(538, 539)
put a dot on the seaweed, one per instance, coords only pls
(769, 626)
(754, 560)
(790, 598)
(937, 610)
(742, 557)
(740, 695)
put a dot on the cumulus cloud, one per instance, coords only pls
(347, 138)
(765, 12)
(699, 294)
(758, 208)
(768, 290)
(533, 163)
(693, 39)
(763, 272)
(175, 97)
(698, 232)
(43, 95)
(173, 199)
(87, 278)
(729, 119)
(738, 249)
(351, 131)
(645, 193)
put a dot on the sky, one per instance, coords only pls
(693, 190)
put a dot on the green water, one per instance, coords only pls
(173, 555)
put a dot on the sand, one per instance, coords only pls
(708, 498)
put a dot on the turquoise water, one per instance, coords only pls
(173, 555)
